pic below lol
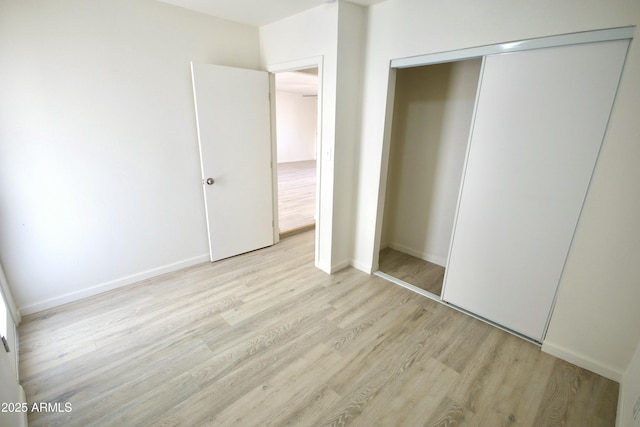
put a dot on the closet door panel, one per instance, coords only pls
(540, 120)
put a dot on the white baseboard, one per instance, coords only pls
(436, 259)
(583, 361)
(340, 265)
(362, 266)
(113, 284)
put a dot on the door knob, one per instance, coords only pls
(210, 181)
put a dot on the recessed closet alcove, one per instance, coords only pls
(490, 154)
(432, 114)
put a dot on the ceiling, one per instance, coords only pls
(255, 12)
(303, 83)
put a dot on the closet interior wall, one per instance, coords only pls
(433, 110)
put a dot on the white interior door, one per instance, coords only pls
(540, 120)
(234, 132)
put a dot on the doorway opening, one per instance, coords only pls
(297, 148)
(432, 113)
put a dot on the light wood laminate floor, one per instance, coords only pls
(296, 195)
(266, 339)
(415, 271)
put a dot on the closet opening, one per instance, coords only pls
(433, 106)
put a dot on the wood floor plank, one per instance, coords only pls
(296, 194)
(399, 405)
(457, 352)
(221, 388)
(370, 350)
(365, 296)
(570, 398)
(415, 271)
(504, 406)
(448, 413)
(266, 339)
(285, 396)
(119, 376)
(483, 374)
(258, 299)
(520, 393)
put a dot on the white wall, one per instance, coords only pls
(595, 319)
(430, 131)
(352, 26)
(99, 168)
(336, 34)
(304, 37)
(297, 124)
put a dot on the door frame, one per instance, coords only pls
(5, 292)
(301, 64)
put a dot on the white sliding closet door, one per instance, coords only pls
(540, 120)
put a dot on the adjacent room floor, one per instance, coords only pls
(265, 338)
(296, 195)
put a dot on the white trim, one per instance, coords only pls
(113, 284)
(275, 208)
(516, 46)
(435, 259)
(5, 292)
(408, 285)
(300, 64)
(582, 361)
(339, 266)
(204, 190)
(364, 267)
